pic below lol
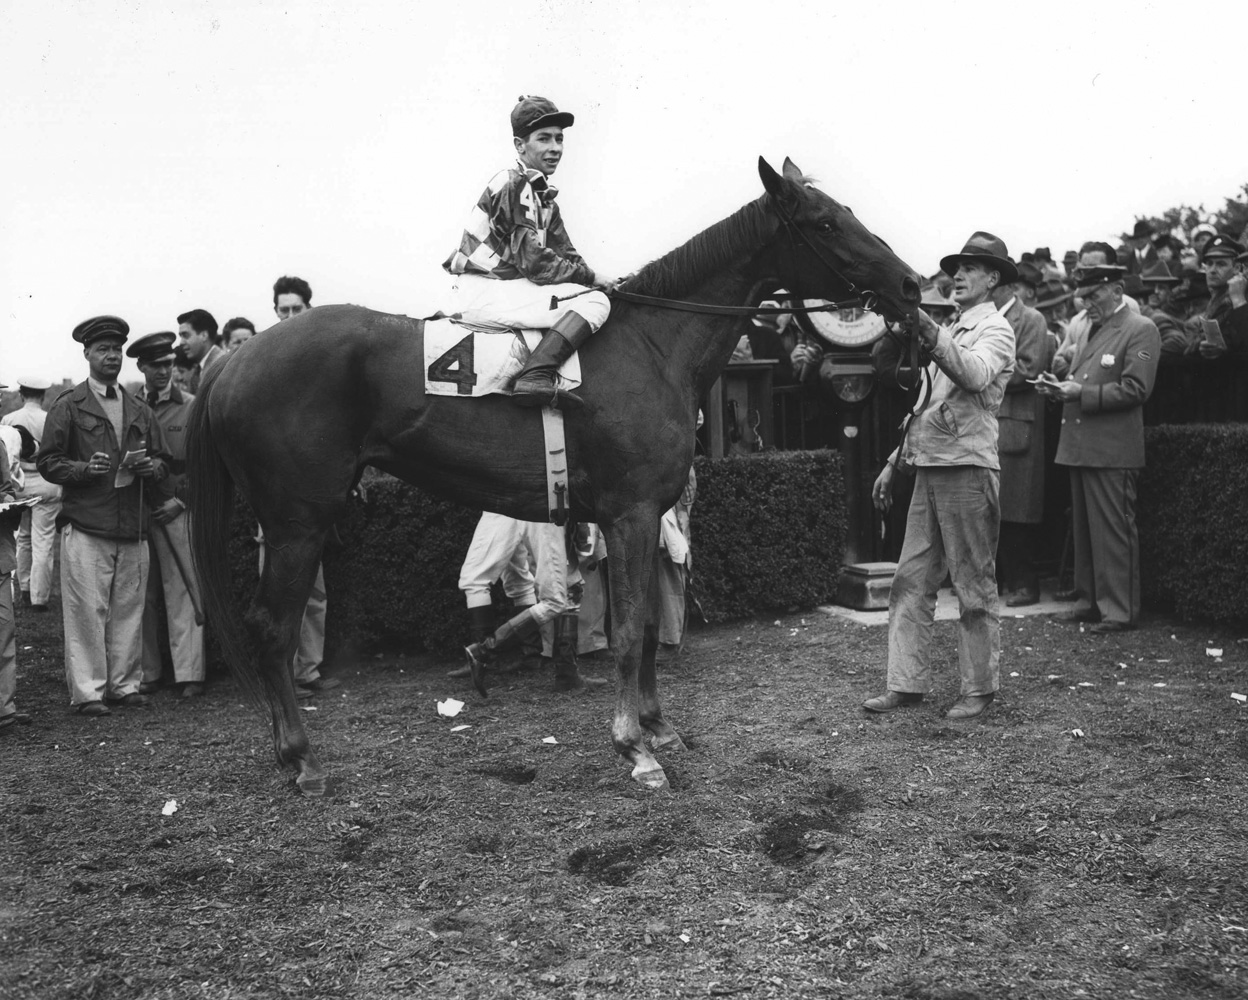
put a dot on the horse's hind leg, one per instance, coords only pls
(631, 545)
(662, 735)
(274, 620)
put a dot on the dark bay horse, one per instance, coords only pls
(293, 418)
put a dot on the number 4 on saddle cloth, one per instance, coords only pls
(480, 359)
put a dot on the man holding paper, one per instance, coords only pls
(106, 449)
(1223, 325)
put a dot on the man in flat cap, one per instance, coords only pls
(515, 258)
(955, 512)
(171, 572)
(1020, 439)
(37, 536)
(1224, 324)
(106, 449)
(1111, 374)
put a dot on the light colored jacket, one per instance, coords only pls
(971, 364)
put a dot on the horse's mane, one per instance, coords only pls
(711, 250)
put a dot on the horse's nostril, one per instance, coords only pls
(910, 290)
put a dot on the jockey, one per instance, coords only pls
(515, 256)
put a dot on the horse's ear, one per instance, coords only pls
(792, 172)
(778, 187)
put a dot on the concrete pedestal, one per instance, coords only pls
(865, 586)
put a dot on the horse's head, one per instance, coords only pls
(822, 251)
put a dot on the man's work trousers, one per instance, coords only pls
(186, 639)
(1107, 542)
(103, 582)
(952, 526)
(37, 536)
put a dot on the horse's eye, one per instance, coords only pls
(825, 226)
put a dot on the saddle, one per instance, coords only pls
(481, 359)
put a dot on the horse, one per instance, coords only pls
(292, 419)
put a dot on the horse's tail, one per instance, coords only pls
(211, 491)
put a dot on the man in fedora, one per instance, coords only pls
(1110, 377)
(37, 536)
(515, 258)
(955, 513)
(1138, 252)
(1159, 285)
(171, 570)
(106, 449)
(1020, 439)
(1228, 306)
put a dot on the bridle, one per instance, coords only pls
(797, 239)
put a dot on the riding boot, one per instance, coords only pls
(567, 670)
(538, 381)
(481, 627)
(530, 645)
(481, 654)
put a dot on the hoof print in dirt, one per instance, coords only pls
(616, 862)
(783, 761)
(794, 838)
(508, 774)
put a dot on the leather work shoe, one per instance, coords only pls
(1083, 615)
(1021, 598)
(134, 700)
(14, 719)
(1066, 595)
(1103, 628)
(890, 701)
(321, 684)
(149, 687)
(94, 708)
(970, 706)
(192, 689)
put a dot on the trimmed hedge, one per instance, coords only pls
(768, 532)
(768, 536)
(1193, 518)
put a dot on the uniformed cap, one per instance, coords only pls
(533, 113)
(1204, 229)
(986, 249)
(1087, 278)
(1221, 246)
(97, 327)
(153, 348)
(34, 383)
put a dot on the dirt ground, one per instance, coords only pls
(1086, 839)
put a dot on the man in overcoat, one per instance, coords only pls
(1113, 367)
(1020, 441)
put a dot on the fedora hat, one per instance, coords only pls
(1054, 293)
(1030, 274)
(986, 249)
(1158, 274)
(1143, 230)
(933, 299)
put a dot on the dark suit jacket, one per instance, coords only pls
(1116, 367)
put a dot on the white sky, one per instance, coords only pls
(164, 156)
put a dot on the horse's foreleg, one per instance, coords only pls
(274, 621)
(662, 735)
(631, 544)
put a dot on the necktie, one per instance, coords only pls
(110, 392)
(152, 397)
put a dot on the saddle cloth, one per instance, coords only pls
(478, 360)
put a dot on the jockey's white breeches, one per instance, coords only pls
(519, 302)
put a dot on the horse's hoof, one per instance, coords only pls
(313, 786)
(672, 744)
(654, 779)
